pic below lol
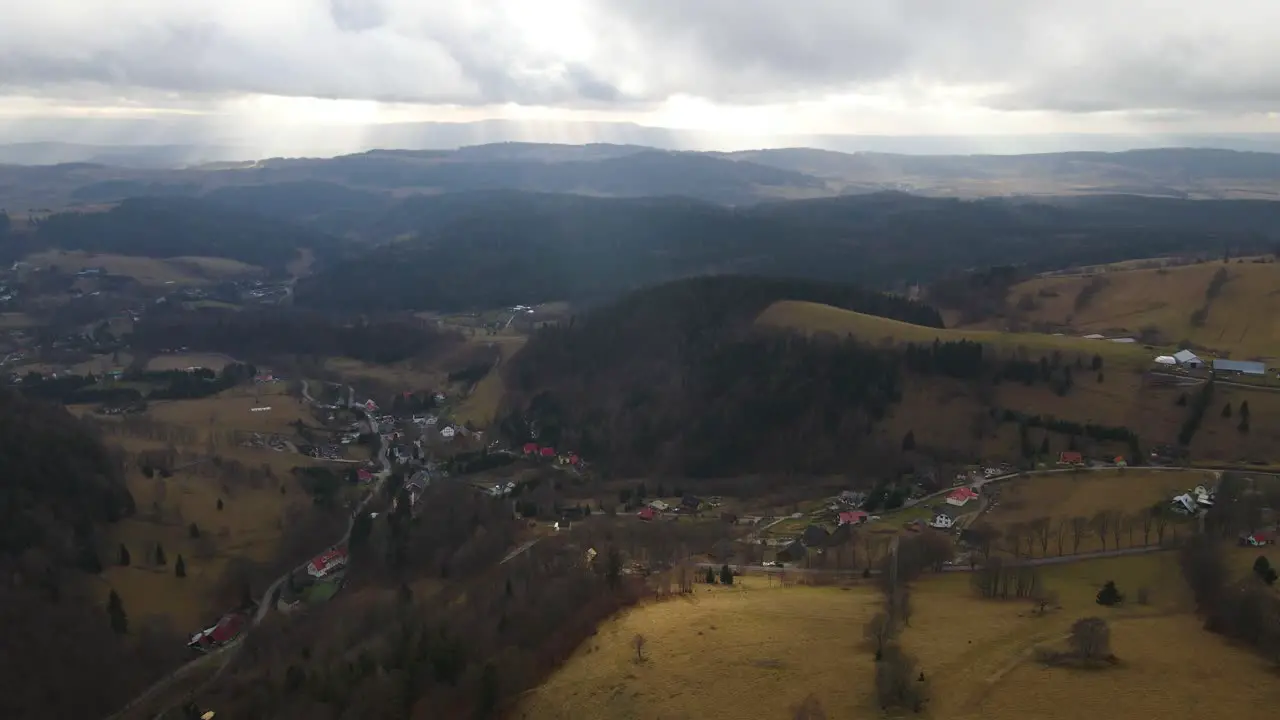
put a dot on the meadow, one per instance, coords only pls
(1243, 320)
(149, 271)
(758, 648)
(242, 504)
(817, 318)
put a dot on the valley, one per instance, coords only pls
(396, 456)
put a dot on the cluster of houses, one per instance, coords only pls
(688, 505)
(546, 452)
(1222, 367)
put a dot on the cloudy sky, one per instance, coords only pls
(748, 67)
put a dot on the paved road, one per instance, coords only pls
(1034, 562)
(227, 652)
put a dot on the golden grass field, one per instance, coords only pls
(149, 271)
(1244, 320)
(1062, 496)
(407, 375)
(253, 518)
(757, 649)
(818, 318)
(182, 361)
(945, 414)
(480, 407)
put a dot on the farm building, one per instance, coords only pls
(1188, 359)
(960, 496)
(852, 517)
(1165, 360)
(1070, 457)
(1238, 367)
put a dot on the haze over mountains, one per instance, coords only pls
(727, 178)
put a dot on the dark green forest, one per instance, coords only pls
(476, 250)
(60, 488)
(675, 378)
(175, 227)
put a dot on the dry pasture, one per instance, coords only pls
(149, 271)
(182, 361)
(757, 649)
(1243, 321)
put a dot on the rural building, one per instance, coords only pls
(659, 505)
(1165, 360)
(942, 521)
(852, 517)
(363, 475)
(1094, 336)
(646, 513)
(1238, 367)
(793, 552)
(1258, 539)
(960, 496)
(1070, 457)
(326, 562)
(447, 433)
(691, 502)
(1188, 359)
(547, 452)
(814, 536)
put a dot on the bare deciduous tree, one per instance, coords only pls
(878, 631)
(1041, 528)
(1061, 532)
(1101, 523)
(1044, 598)
(1090, 639)
(1079, 526)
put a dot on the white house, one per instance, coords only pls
(659, 505)
(447, 433)
(942, 521)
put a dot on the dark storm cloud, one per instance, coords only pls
(1080, 57)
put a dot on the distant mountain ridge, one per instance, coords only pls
(632, 170)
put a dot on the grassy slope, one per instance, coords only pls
(149, 271)
(813, 317)
(1243, 322)
(943, 413)
(735, 652)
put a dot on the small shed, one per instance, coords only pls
(1165, 360)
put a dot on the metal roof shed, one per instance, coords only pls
(1239, 366)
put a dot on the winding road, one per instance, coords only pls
(227, 652)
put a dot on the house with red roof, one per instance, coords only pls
(1070, 457)
(547, 452)
(960, 496)
(853, 517)
(530, 448)
(326, 562)
(224, 631)
(370, 405)
(646, 513)
(1259, 539)
(364, 475)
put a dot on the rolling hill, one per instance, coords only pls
(1159, 302)
(956, 419)
(629, 170)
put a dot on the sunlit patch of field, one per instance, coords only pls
(182, 361)
(146, 270)
(1244, 320)
(757, 651)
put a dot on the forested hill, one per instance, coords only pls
(475, 250)
(673, 378)
(176, 227)
(58, 487)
